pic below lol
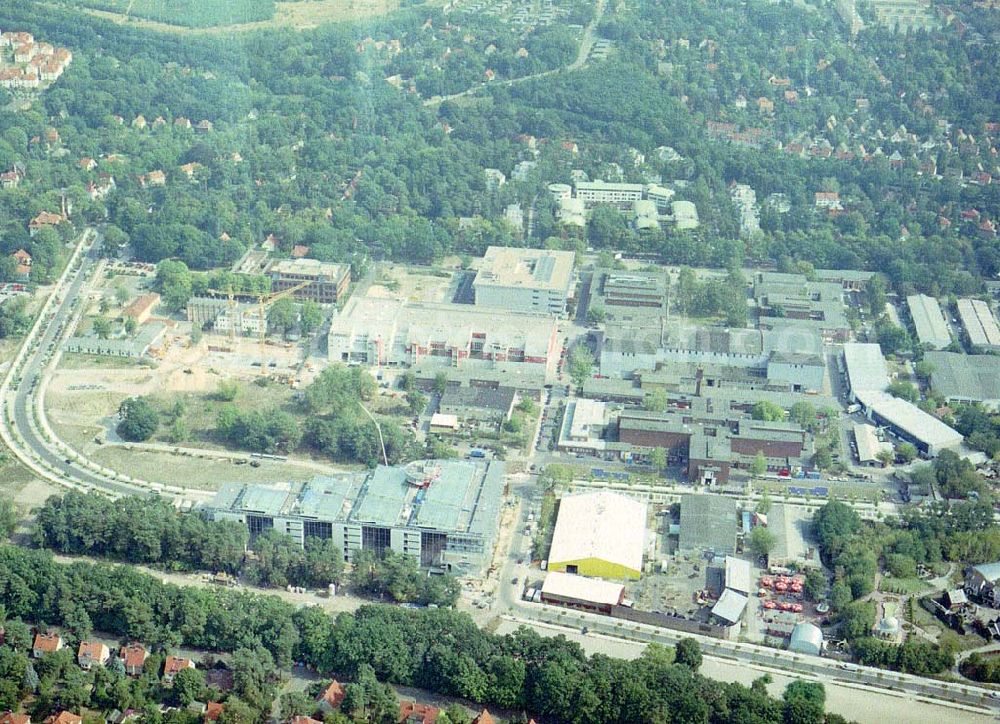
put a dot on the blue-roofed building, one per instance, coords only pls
(445, 513)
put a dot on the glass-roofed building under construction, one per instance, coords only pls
(443, 512)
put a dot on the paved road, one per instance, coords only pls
(853, 701)
(23, 384)
(541, 616)
(586, 43)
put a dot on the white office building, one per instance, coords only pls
(525, 280)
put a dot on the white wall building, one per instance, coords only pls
(525, 280)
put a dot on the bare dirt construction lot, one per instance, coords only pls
(296, 15)
(414, 284)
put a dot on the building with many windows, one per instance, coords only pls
(444, 513)
(395, 333)
(327, 282)
(621, 195)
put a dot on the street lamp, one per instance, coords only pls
(381, 442)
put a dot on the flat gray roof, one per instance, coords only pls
(448, 501)
(383, 497)
(324, 497)
(965, 377)
(708, 522)
(928, 320)
(866, 369)
(979, 323)
(730, 606)
(258, 499)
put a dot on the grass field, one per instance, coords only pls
(198, 473)
(187, 13)
(299, 15)
(902, 586)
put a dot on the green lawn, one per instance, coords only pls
(902, 586)
(187, 13)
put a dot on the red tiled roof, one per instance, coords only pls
(214, 710)
(133, 655)
(299, 251)
(47, 642)
(484, 718)
(173, 664)
(334, 694)
(91, 650)
(141, 305)
(411, 711)
(64, 717)
(46, 218)
(12, 718)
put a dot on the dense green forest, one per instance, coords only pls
(310, 142)
(436, 649)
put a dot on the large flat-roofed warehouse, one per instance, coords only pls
(909, 422)
(708, 523)
(395, 333)
(525, 280)
(599, 534)
(792, 300)
(866, 369)
(929, 321)
(979, 323)
(441, 512)
(793, 355)
(587, 594)
(964, 378)
(790, 525)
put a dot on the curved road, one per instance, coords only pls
(22, 385)
(586, 43)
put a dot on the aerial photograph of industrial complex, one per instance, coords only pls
(499, 361)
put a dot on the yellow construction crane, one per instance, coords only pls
(264, 301)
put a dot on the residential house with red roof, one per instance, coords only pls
(173, 666)
(332, 697)
(410, 712)
(23, 260)
(134, 657)
(64, 717)
(43, 220)
(213, 710)
(12, 718)
(46, 643)
(90, 653)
